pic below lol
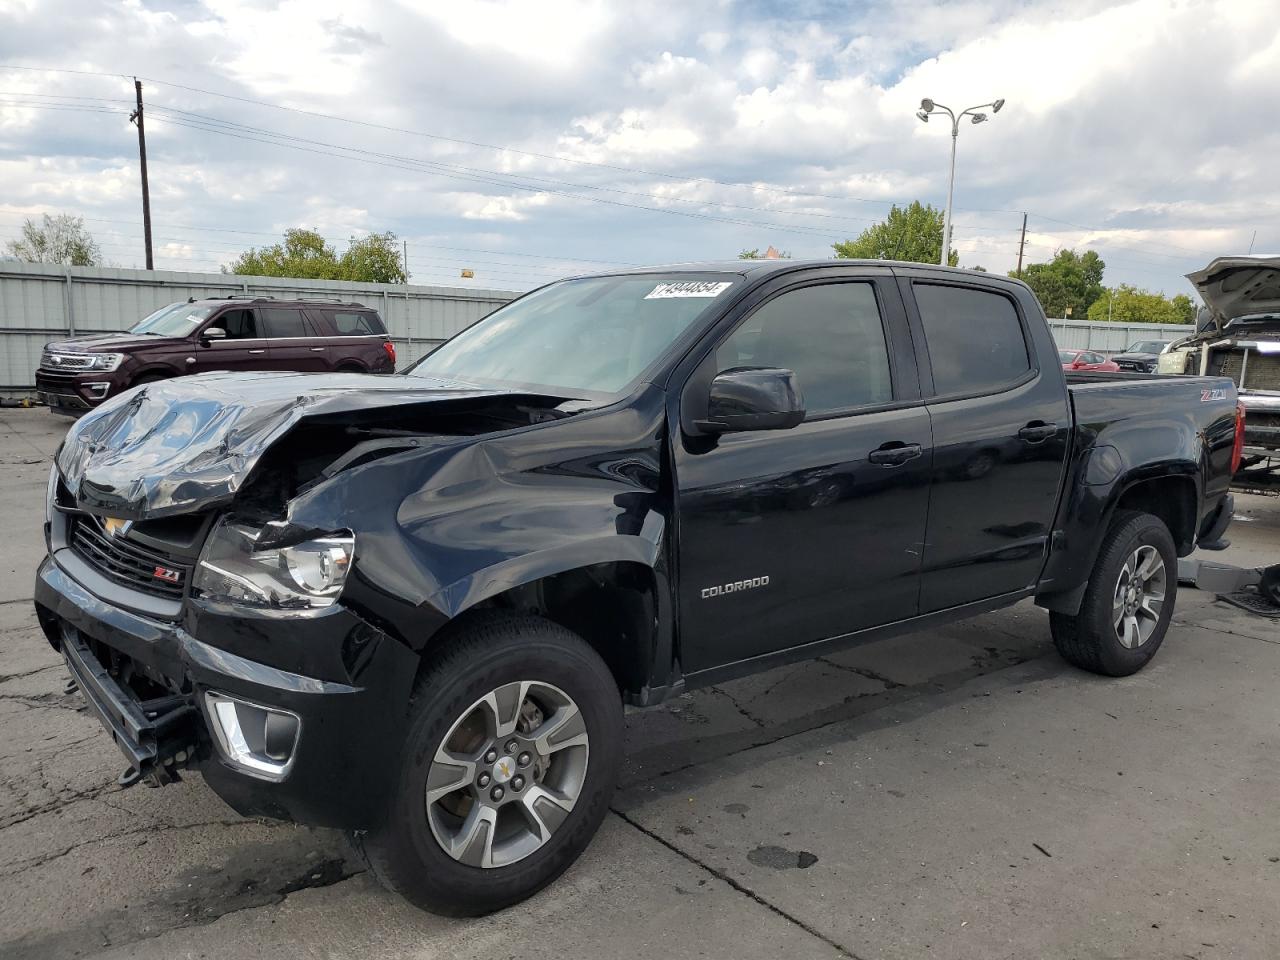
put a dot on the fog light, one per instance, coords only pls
(97, 391)
(260, 741)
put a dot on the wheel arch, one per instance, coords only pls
(617, 601)
(1172, 494)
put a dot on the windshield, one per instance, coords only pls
(1146, 346)
(175, 320)
(585, 337)
(1066, 356)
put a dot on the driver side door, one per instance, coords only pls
(243, 348)
(787, 537)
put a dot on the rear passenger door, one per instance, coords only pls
(1000, 430)
(823, 522)
(292, 342)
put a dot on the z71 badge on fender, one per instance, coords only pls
(735, 587)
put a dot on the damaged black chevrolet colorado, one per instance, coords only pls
(413, 607)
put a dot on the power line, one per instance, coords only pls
(511, 183)
(501, 148)
(786, 228)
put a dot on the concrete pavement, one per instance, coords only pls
(960, 793)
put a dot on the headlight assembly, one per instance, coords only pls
(238, 566)
(104, 361)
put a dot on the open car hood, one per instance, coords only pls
(1239, 286)
(188, 444)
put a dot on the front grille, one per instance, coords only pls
(64, 361)
(1131, 365)
(124, 562)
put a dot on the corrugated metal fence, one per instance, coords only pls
(1112, 337)
(41, 302)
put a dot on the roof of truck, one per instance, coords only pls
(756, 267)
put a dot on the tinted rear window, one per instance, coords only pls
(976, 344)
(352, 324)
(283, 322)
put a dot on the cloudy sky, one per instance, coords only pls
(528, 140)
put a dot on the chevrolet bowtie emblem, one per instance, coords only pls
(116, 527)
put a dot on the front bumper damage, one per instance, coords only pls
(150, 683)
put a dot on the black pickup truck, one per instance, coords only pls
(412, 607)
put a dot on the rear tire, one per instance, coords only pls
(446, 844)
(1128, 603)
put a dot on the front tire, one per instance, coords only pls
(1128, 603)
(511, 757)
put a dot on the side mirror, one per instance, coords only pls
(209, 334)
(753, 398)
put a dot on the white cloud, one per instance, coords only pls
(1139, 120)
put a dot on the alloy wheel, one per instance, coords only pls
(1139, 597)
(507, 774)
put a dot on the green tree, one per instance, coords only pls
(60, 239)
(374, 259)
(1185, 307)
(755, 254)
(1128, 304)
(1070, 280)
(910, 233)
(305, 254)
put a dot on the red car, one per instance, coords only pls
(1087, 360)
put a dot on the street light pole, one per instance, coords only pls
(929, 108)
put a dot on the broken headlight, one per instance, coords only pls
(247, 565)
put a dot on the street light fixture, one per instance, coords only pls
(927, 109)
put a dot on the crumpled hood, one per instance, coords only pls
(1239, 286)
(188, 444)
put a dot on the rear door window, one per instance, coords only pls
(283, 322)
(239, 324)
(356, 324)
(976, 343)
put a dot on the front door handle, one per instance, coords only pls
(263, 350)
(1037, 431)
(895, 453)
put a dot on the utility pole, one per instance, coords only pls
(1022, 245)
(406, 260)
(136, 117)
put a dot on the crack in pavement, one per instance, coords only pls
(125, 928)
(92, 793)
(31, 863)
(738, 886)
(6, 677)
(736, 705)
(864, 672)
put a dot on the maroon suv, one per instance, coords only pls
(229, 333)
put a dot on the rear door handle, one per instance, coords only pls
(317, 349)
(895, 453)
(1037, 431)
(262, 350)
